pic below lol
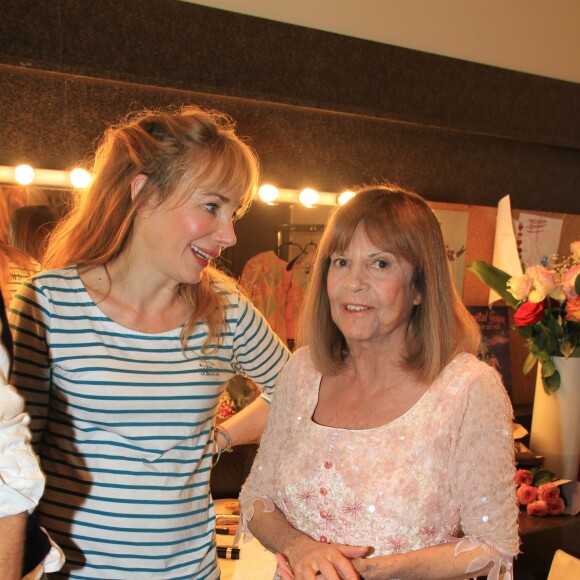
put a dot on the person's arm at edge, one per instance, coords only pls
(12, 545)
(247, 425)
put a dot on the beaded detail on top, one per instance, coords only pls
(442, 469)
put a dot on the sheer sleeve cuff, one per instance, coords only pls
(502, 559)
(247, 511)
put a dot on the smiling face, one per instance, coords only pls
(370, 294)
(180, 236)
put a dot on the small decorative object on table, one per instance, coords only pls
(546, 300)
(536, 491)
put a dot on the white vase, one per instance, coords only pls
(555, 431)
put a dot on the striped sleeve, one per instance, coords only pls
(29, 317)
(258, 352)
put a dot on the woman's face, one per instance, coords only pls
(179, 237)
(370, 293)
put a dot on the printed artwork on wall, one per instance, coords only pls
(537, 238)
(454, 227)
(495, 340)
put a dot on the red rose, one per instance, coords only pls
(527, 494)
(529, 313)
(548, 492)
(556, 507)
(523, 476)
(538, 508)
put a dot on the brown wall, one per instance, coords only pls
(321, 109)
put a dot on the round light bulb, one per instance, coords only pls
(345, 196)
(24, 174)
(80, 178)
(268, 193)
(308, 197)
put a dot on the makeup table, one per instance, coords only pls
(255, 562)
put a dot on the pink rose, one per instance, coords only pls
(529, 313)
(556, 507)
(523, 476)
(538, 508)
(573, 309)
(546, 283)
(569, 279)
(519, 286)
(527, 494)
(548, 492)
(575, 250)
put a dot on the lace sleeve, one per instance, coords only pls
(260, 482)
(482, 475)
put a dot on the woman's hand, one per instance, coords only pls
(311, 560)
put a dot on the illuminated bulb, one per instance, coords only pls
(308, 197)
(268, 193)
(345, 196)
(24, 174)
(80, 178)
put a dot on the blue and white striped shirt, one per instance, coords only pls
(122, 421)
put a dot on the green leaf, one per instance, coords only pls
(542, 476)
(577, 284)
(529, 363)
(551, 383)
(548, 368)
(544, 356)
(495, 278)
(567, 347)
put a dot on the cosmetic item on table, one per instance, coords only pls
(228, 552)
(226, 530)
(227, 520)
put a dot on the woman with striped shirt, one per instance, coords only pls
(123, 347)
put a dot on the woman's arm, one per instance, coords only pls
(434, 563)
(259, 354)
(12, 545)
(308, 559)
(247, 425)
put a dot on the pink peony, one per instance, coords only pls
(529, 313)
(538, 508)
(548, 492)
(523, 476)
(569, 279)
(527, 494)
(573, 309)
(556, 507)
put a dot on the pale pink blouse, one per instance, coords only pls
(442, 470)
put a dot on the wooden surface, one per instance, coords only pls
(541, 537)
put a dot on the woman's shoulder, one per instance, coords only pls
(466, 371)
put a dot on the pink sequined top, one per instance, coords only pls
(441, 470)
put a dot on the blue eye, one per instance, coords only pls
(211, 207)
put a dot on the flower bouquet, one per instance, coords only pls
(546, 300)
(536, 491)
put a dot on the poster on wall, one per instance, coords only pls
(495, 340)
(454, 228)
(537, 238)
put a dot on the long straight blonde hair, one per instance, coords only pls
(400, 222)
(175, 148)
